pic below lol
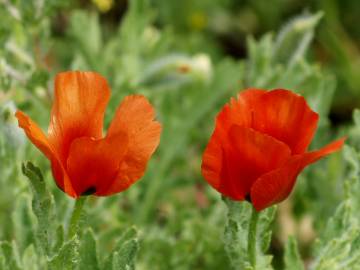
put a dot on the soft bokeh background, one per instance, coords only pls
(188, 57)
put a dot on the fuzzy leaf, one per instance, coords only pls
(42, 205)
(59, 238)
(356, 116)
(124, 258)
(88, 252)
(295, 37)
(23, 221)
(236, 233)
(292, 257)
(10, 257)
(30, 258)
(124, 253)
(338, 246)
(67, 257)
(90, 41)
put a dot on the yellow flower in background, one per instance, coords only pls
(103, 5)
(198, 20)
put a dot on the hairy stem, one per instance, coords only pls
(76, 216)
(252, 241)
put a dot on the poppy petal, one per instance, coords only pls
(239, 111)
(236, 112)
(93, 164)
(39, 139)
(275, 186)
(287, 117)
(78, 110)
(213, 161)
(134, 117)
(246, 155)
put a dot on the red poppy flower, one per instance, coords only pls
(259, 146)
(83, 161)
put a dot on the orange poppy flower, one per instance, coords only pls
(259, 146)
(83, 161)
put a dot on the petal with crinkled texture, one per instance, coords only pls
(78, 109)
(275, 186)
(239, 111)
(285, 116)
(135, 118)
(245, 155)
(94, 164)
(236, 112)
(39, 139)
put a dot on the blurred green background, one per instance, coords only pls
(221, 27)
(188, 57)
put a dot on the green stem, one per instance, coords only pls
(76, 216)
(252, 241)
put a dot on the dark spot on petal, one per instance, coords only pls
(89, 191)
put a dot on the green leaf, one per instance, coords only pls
(338, 246)
(88, 252)
(292, 257)
(59, 238)
(124, 258)
(129, 234)
(295, 37)
(78, 218)
(88, 42)
(260, 68)
(30, 258)
(42, 205)
(135, 21)
(356, 116)
(23, 221)
(9, 253)
(124, 254)
(67, 257)
(236, 235)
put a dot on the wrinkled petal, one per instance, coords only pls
(134, 117)
(78, 110)
(239, 111)
(245, 155)
(39, 139)
(213, 160)
(287, 117)
(275, 186)
(236, 112)
(94, 164)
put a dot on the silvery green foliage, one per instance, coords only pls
(88, 252)
(236, 235)
(67, 257)
(174, 70)
(53, 250)
(124, 253)
(9, 256)
(295, 37)
(354, 132)
(22, 22)
(339, 244)
(42, 206)
(143, 53)
(13, 136)
(292, 257)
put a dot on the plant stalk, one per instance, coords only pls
(252, 241)
(76, 217)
